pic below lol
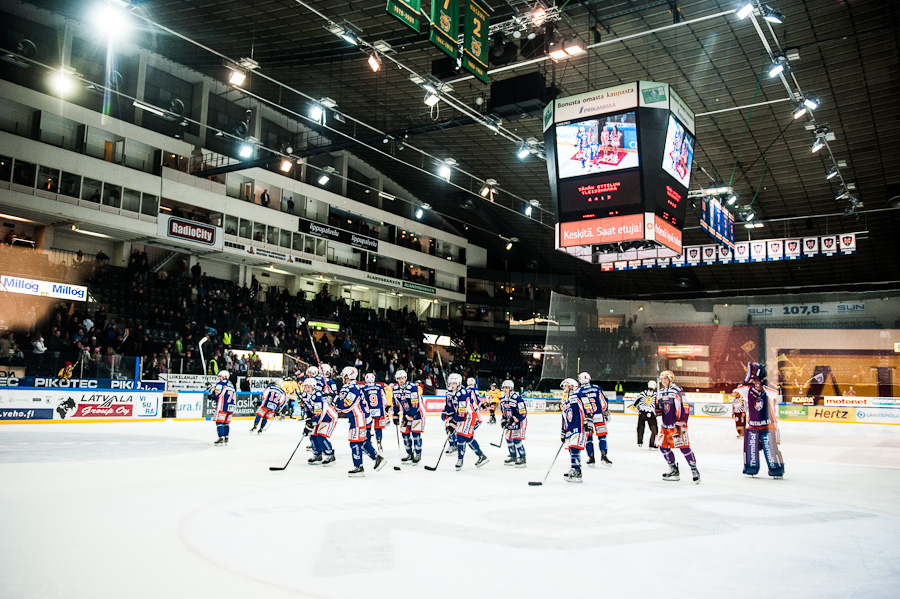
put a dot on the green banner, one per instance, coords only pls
(407, 11)
(789, 412)
(417, 287)
(445, 25)
(476, 44)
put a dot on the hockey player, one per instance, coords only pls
(573, 429)
(405, 398)
(762, 424)
(739, 413)
(644, 404)
(447, 418)
(321, 418)
(674, 433)
(273, 397)
(596, 410)
(465, 419)
(493, 398)
(224, 395)
(376, 398)
(351, 401)
(514, 416)
(326, 385)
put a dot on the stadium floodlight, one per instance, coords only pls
(732, 199)
(350, 37)
(523, 152)
(817, 145)
(528, 210)
(779, 66)
(245, 150)
(538, 15)
(509, 245)
(374, 63)
(430, 88)
(573, 47)
(316, 112)
(111, 20)
(63, 81)
(744, 11)
(431, 99)
(419, 213)
(323, 179)
(557, 51)
(237, 78)
(834, 172)
(286, 166)
(799, 111)
(811, 102)
(772, 16)
(444, 172)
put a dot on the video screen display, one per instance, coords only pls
(597, 145)
(599, 196)
(678, 155)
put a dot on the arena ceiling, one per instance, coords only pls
(848, 56)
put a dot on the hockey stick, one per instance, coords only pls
(276, 468)
(500, 444)
(397, 430)
(429, 468)
(538, 484)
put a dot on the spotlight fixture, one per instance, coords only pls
(444, 172)
(63, 81)
(374, 63)
(834, 172)
(111, 20)
(538, 15)
(350, 37)
(750, 225)
(779, 66)
(509, 245)
(323, 179)
(772, 16)
(286, 166)
(488, 188)
(799, 111)
(431, 99)
(316, 112)
(744, 11)
(528, 210)
(237, 78)
(750, 216)
(732, 199)
(532, 204)
(245, 150)
(811, 102)
(557, 51)
(817, 145)
(419, 214)
(573, 46)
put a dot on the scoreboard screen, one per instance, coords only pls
(597, 196)
(717, 221)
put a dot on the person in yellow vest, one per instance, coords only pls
(226, 339)
(493, 398)
(65, 372)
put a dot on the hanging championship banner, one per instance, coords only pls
(445, 25)
(634, 265)
(693, 255)
(407, 11)
(775, 249)
(606, 267)
(848, 243)
(810, 247)
(725, 255)
(742, 252)
(709, 254)
(829, 244)
(621, 265)
(476, 42)
(758, 251)
(662, 263)
(791, 249)
(649, 263)
(678, 260)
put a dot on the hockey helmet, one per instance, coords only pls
(401, 374)
(493, 385)
(310, 382)
(224, 374)
(370, 378)
(507, 384)
(454, 380)
(326, 369)
(312, 371)
(470, 381)
(755, 371)
(350, 372)
(584, 378)
(651, 385)
(570, 383)
(667, 374)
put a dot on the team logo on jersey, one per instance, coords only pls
(758, 405)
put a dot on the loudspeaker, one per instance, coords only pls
(513, 98)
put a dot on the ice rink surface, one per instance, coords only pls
(153, 510)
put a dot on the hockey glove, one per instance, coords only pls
(588, 426)
(512, 425)
(504, 422)
(307, 427)
(562, 436)
(606, 415)
(396, 420)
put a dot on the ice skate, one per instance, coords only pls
(253, 429)
(640, 444)
(329, 460)
(482, 460)
(520, 462)
(407, 459)
(451, 449)
(259, 432)
(778, 476)
(459, 464)
(379, 463)
(417, 457)
(695, 475)
(356, 472)
(592, 462)
(315, 460)
(220, 442)
(226, 440)
(672, 474)
(510, 461)
(573, 475)
(605, 460)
